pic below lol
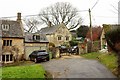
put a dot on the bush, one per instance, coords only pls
(50, 55)
(73, 43)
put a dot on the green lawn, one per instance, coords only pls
(109, 60)
(92, 55)
(29, 71)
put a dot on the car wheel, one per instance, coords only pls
(47, 59)
(35, 60)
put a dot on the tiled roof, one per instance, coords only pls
(50, 30)
(29, 37)
(14, 29)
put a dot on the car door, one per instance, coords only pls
(33, 55)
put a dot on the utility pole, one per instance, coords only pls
(91, 30)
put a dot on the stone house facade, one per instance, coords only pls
(12, 40)
(58, 34)
(103, 40)
(15, 44)
(35, 41)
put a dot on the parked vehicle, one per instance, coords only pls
(63, 49)
(40, 55)
(73, 49)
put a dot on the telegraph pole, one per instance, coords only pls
(91, 29)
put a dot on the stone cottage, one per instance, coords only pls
(57, 34)
(12, 40)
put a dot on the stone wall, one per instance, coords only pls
(16, 44)
(82, 48)
(62, 31)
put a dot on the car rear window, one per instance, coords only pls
(39, 53)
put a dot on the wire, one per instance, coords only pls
(36, 15)
(114, 7)
(106, 16)
(95, 4)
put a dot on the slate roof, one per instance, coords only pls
(29, 37)
(50, 30)
(14, 30)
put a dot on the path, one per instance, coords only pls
(76, 67)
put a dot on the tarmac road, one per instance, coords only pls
(76, 67)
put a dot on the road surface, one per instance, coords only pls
(76, 67)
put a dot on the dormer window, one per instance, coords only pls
(36, 37)
(5, 27)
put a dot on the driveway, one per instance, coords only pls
(76, 67)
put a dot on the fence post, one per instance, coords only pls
(79, 48)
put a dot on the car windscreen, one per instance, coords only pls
(42, 53)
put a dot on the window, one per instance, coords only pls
(7, 57)
(5, 27)
(59, 38)
(7, 42)
(36, 37)
(67, 38)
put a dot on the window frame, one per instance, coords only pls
(67, 38)
(5, 27)
(59, 38)
(7, 60)
(7, 42)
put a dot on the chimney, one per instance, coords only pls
(49, 24)
(18, 16)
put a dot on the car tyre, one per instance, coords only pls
(35, 60)
(47, 58)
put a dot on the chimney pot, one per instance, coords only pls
(18, 16)
(49, 24)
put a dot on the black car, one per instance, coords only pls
(39, 56)
(73, 49)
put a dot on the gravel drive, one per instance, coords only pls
(76, 67)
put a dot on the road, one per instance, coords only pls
(76, 67)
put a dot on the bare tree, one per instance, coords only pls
(61, 13)
(31, 24)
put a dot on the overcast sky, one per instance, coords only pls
(103, 12)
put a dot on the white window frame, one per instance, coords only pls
(35, 37)
(10, 61)
(59, 37)
(5, 27)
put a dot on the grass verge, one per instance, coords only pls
(109, 60)
(28, 71)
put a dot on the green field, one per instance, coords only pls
(109, 60)
(28, 71)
